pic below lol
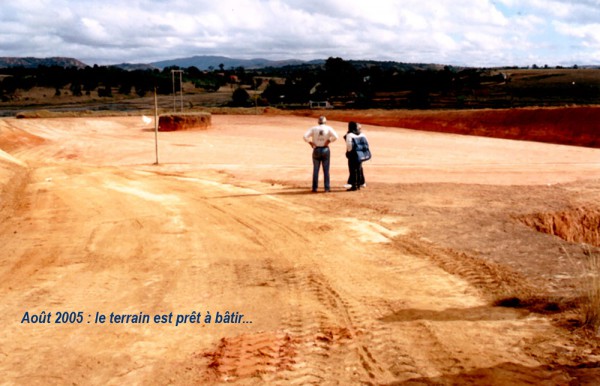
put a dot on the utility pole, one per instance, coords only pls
(156, 126)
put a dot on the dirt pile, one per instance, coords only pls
(567, 125)
(173, 122)
(13, 138)
(579, 225)
(12, 168)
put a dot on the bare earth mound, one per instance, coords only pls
(190, 121)
(219, 266)
(576, 125)
(579, 225)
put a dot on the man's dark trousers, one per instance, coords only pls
(321, 156)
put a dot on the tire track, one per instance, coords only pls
(319, 322)
(360, 306)
(493, 280)
(331, 315)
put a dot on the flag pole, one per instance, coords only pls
(155, 126)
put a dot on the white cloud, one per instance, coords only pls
(587, 35)
(470, 32)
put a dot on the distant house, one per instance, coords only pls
(320, 105)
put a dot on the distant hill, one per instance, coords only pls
(134, 66)
(202, 62)
(214, 62)
(207, 62)
(30, 62)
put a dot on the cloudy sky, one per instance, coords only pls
(458, 32)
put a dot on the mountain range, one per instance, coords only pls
(30, 62)
(215, 62)
(205, 62)
(201, 62)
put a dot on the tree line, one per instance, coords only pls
(102, 80)
(351, 84)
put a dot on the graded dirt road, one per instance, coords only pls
(393, 284)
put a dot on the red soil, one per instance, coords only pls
(567, 125)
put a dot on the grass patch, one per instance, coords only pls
(586, 302)
(588, 284)
(590, 291)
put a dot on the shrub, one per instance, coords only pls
(589, 287)
(105, 92)
(240, 98)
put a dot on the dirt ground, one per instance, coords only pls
(396, 284)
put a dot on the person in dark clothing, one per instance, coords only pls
(356, 149)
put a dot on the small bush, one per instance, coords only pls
(590, 288)
(240, 98)
(105, 92)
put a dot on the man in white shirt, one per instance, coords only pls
(319, 137)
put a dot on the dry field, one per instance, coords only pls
(398, 284)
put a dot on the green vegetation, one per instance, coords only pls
(347, 84)
(103, 80)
